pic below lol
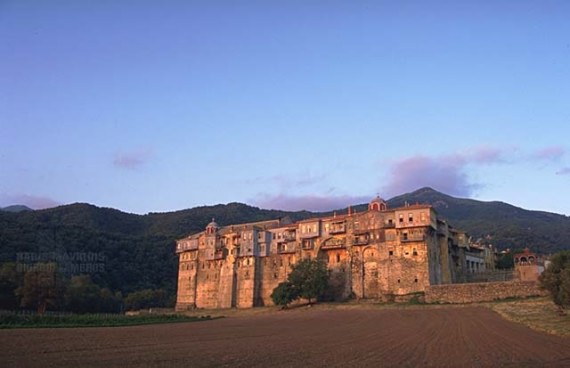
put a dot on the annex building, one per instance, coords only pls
(379, 253)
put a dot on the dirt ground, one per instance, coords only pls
(443, 337)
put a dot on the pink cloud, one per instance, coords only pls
(307, 202)
(132, 160)
(34, 202)
(445, 175)
(549, 153)
(563, 171)
(484, 155)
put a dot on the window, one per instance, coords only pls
(416, 280)
(337, 258)
(401, 219)
(423, 216)
(391, 253)
(415, 252)
(410, 217)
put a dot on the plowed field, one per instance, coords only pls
(425, 337)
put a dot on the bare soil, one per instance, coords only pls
(366, 337)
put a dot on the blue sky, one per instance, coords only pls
(153, 106)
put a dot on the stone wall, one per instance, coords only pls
(481, 292)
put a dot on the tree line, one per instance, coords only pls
(42, 287)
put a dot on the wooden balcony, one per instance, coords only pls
(334, 244)
(289, 236)
(360, 241)
(337, 228)
(183, 247)
(414, 238)
(285, 250)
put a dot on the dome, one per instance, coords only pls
(212, 227)
(212, 224)
(377, 204)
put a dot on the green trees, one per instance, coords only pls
(556, 279)
(43, 286)
(283, 294)
(149, 298)
(308, 279)
(10, 280)
(84, 296)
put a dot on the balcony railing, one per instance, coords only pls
(361, 241)
(289, 236)
(337, 229)
(283, 250)
(333, 244)
(181, 247)
(413, 238)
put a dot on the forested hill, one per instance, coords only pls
(138, 250)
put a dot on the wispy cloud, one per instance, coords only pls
(32, 201)
(307, 202)
(563, 171)
(552, 153)
(132, 160)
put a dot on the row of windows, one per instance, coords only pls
(411, 217)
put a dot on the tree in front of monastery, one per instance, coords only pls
(308, 280)
(283, 294)
(556, 279)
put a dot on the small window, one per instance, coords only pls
(391, 253)
(337, 258)
(416, 280)
(410, 217)
(415, 252)
(398, 281)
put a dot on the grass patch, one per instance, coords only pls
(538, 313)
(14, 320)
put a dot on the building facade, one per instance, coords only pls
(373, 254)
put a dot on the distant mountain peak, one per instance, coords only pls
(16, 208)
